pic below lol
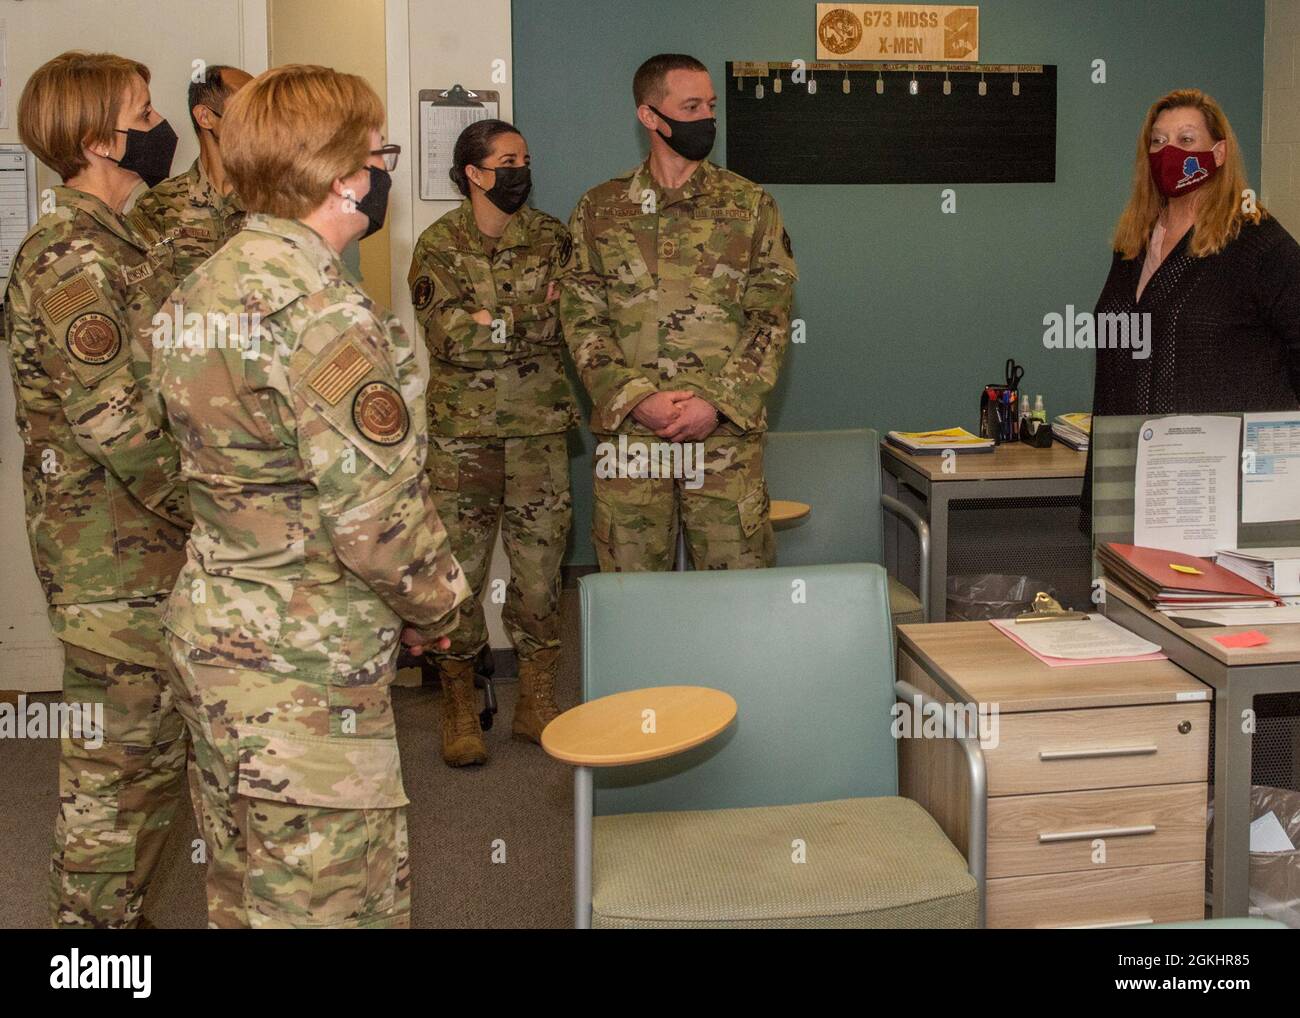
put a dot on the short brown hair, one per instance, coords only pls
(1219, 214)
(648, 82)
(73, 101)
(292, 131)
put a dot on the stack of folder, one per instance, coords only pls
(934, 443)
(1074, 430)
(1170, 580)
(1275, 569)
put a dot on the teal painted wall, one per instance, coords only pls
(909, 311)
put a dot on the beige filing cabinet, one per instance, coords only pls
(1096, 783)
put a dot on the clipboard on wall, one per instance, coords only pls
(18, 205)
(444, 113)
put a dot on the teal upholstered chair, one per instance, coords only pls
(838, 474)
(707, 837)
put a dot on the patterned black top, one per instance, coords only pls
(1225, 330)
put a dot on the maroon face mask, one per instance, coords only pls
(1177, 171)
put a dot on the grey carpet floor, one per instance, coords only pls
(520, 799)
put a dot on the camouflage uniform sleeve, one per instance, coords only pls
(537, 320)
(740, 389)
(88, 358)
(446, 316)
(615, 387)
(361, 433)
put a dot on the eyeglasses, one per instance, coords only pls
(390, 154)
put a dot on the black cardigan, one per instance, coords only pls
(1225, 329)
(1225, 333)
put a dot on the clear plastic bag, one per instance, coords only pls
(974, 598)
(1274, 876)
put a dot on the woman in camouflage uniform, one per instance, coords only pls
(315, 543)
(106, 512)
(483, 282)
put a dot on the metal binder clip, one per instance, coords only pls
(1048, 609)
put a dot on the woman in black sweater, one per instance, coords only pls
(1219, 276)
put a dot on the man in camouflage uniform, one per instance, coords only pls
(500, 406)
(106, 513)
(676, 307)
(189, 216)
(315, 541)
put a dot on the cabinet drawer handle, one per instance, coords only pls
(1092, 754)
(1100, 832)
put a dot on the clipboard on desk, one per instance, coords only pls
(443, 114)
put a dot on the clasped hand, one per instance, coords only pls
(677, 415)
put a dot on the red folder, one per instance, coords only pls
(1149, 571)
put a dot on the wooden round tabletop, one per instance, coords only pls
(785, 511)
(618, 729)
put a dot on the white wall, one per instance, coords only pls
(436, 44)
(166, 36)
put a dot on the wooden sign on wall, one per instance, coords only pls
(898, 32)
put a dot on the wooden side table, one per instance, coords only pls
(1096, 791)
(633, 727)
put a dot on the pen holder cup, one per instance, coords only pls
(1000, 413)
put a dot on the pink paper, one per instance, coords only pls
(1250, 638)
(1007, 628)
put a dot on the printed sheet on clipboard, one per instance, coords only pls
(444, 113)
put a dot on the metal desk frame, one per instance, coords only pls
(1235, 688)
(937, 495)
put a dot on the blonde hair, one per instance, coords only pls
(73, 101)
(1219, 214)
(292, 131)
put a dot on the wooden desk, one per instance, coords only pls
(1013, 472)
(1096, 779)
(1237, 675)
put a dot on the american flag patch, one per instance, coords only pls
(344, 370)
(69, 298)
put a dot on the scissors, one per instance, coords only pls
(1014, 373)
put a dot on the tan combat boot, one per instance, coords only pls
(462, 739)
(536, 708)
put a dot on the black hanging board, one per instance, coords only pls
(791, 137)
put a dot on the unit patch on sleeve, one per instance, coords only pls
(94, 338)
(422, 293)
(379, 413)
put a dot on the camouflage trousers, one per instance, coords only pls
(724, 507)
(118, 790)
(524, 484)
(302, 806)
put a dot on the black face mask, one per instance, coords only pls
(375, 204)
(691, 139)
(510, 188)
(149, 153)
